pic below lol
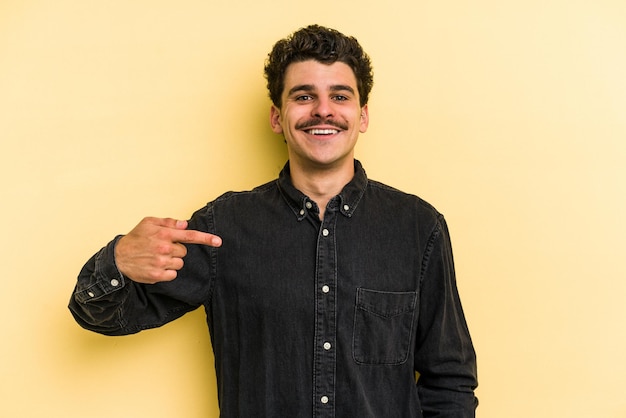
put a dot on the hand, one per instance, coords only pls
(154, 250)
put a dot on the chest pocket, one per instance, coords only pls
(382, 326)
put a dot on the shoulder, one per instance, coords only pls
(401, 200)
(257, 192)
(237, 201)
(405, 214)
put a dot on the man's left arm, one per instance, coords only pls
(444, 356)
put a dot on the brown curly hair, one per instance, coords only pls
(321, 44)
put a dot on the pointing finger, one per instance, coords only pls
(190, 236)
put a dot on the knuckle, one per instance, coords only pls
(162, 275)
(160, 263)
(153, 276)
(163, 234)
(163, 248)
(189, 235)
(198, 236)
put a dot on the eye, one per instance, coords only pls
(303, 98)
(340, 98)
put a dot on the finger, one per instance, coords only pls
(162, 276)
(178, 250)
(164, 269)
(190, 236)
(176, 264)
(166, 222)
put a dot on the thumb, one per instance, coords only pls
(181, 224)
(166, 222)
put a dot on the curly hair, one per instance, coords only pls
(321, 44)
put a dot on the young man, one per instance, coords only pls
(325, 291)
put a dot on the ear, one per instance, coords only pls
(365, 119)
(275, 122)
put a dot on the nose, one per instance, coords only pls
(323, 108)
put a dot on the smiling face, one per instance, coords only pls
(320, 116)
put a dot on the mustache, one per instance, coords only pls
(319, 121)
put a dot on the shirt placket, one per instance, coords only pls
(325, 317)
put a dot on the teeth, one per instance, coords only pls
(323, 131)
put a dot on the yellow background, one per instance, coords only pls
(508, 116)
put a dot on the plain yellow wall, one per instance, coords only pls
(508, 116)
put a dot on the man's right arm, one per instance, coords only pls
(114, 294)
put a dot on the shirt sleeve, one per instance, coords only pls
(107, 302)
(445, 358)
(101, 291)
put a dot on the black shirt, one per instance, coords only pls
(310, 317)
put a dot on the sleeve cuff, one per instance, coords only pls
(108, 279)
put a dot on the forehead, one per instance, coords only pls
(319, 75)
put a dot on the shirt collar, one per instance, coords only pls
(348, 198)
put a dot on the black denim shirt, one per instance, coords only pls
(311, 318)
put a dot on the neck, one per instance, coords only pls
(321, 184)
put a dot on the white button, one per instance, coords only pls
(115, 282)
(308, 205)
(301, 211)
(325, 232)
(346, 207)
(91, 294)
(327, 346)
(324, 399)
(325, 289)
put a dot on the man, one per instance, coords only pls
(325, 291)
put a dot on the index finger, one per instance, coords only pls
(191, 236)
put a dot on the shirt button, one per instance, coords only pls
(308, 205)
(327, 346)
(325, 289)
(324, 399)
(115, 282)
(325, 232)
(346, 208)
(91, 294)
(301, 211)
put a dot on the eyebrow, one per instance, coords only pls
(311, 87)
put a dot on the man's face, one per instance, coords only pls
(320, 117)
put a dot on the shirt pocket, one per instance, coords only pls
(383, 323)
